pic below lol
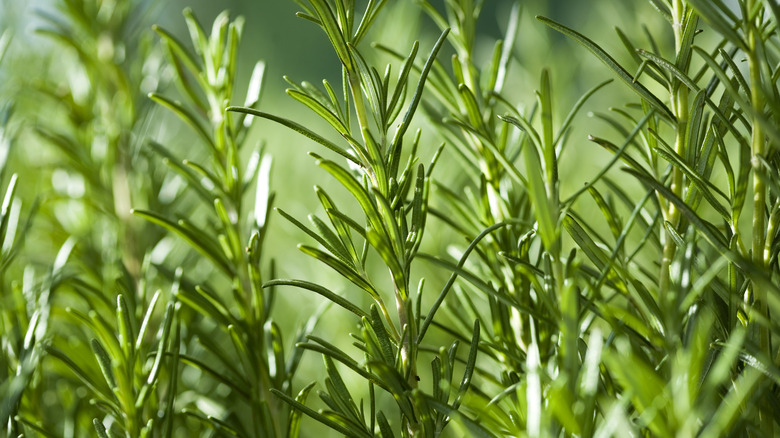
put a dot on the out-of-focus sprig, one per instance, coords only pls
(246, 352)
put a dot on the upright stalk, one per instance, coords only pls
(404, 305)
(679, 99)
(758, 140)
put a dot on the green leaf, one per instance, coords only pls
(125, 325)
(546, 214)
(705, 187)
(490, 79)
(327, 349)
(419, 210)
(595, 254)
(198, 37)
(207, 178)
(105, 363)
(721, 370)
(474, 428)
(220, 427)
(322, 111)
(471, 106)
(147, 316)
(589, 375)
(610, 62)
(342, 268)
(337, 390)
(524, 125)
(329, 242)
(263, 194)
(396, 385)
(373, 87)
(567, 121)
(151, 379)
(372, 10)
(181, 59)
(745, 104)
(509, 166)
(632, 51)
(436, 371)
(83, 376)
(384, 426)
(708, 230)
(214, 344)
(199, 240)
(691, 84)
(320, 290)
(277, 347)
(544, 95)
(497, 72)
(445, 290)
(241, 346)
(294, 422)
(338, 427)
(340, 225)
(375, 158)
(619, 154)
(255, 88)
(412, 108)
(729, 410)
(676, 237)
(7, 222)
(359, 192)
(205, 191)
(173, 378)
(486, 287)
(607, 210)
(663, 8)
(99, 428)
(388, 240)
(327, 20)
(375, 335)
(186, 115)
(306, 132)
(205, 303)
(644, 384)
(716, 16)
(228, 64)
(333, 240)
(401, 83)
(468, 372)
(239, 387)
(5, 42)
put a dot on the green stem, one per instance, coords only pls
(758, 140)
(679, 98)
(408, 324)
(771, 230)
(357, 98)
(262, 385)
(758, 149)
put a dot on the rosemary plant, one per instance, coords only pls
(25, 306)
(393, 198)
(137, 298)
(255, 364)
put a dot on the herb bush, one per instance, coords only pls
(478, 288)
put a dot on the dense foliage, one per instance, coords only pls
(470, 283)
